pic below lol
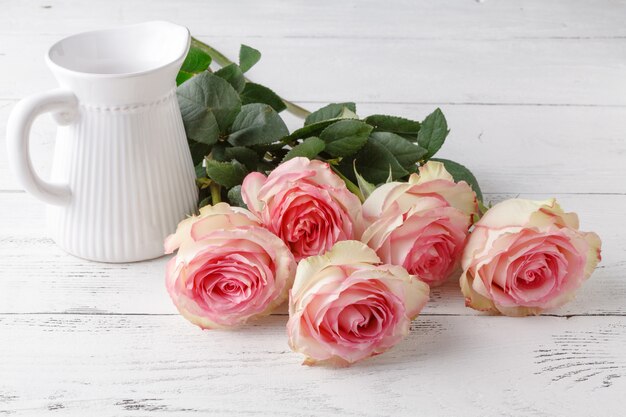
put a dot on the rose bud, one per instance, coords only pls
(421, 224)
(305, 204)
(344, 307)
(228, 268)
(524, 257)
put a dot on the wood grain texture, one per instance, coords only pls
(526, 141)
(535, 95)
(448, 366)
(73, 285)
(455, 19)
(581, 72)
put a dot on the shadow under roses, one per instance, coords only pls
(430, 335)
(428, 338)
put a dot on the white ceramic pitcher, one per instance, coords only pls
(122, 176)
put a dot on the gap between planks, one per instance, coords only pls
(366, 38)
(76, 286)
(13, 100)
(107, 314)
(489, 194)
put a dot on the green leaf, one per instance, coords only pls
(433, 133)
(227, 174)
(198, 151)
(461, 173)
(224, 152)
(257, 93)
(182, 77)
(200, 170)
(244, 155)
(248, 56)
(375, 162)
(195, 62)
(208, 104)
(313, 129)
(366, 187)
(265, 166)
(257, 124)
(232, 73)
(218, 152)
(205, 202)
(332, 111)
(200, 126)
(407, 153)
(309, 148)
(406, 128)
(345, 137)
(267, 147)
(234, 197)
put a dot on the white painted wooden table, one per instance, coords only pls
(535, 94)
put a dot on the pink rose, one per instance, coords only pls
(228, 268)
(344, 307)
(526, 256)
(305, 204)
(421, 224)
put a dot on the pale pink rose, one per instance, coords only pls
(345, 307)
(228, 268)
(524, 257)
(421, 224)
(304, 203)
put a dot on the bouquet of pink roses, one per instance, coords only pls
(350, 220)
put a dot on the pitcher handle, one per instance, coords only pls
(64, 107)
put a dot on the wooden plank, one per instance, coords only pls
(527, 71)
(32, 264)
(510, 149)
(127, 365)
(348, 18)
(89, 339)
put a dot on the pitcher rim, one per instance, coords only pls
(55, 66)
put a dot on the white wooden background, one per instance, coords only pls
(535, 94)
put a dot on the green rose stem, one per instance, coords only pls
(216, 193)
(222, 60)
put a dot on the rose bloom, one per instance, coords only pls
(228, 268)
(526, 256)
(421, 224)
(305, 204)
(344, 307)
